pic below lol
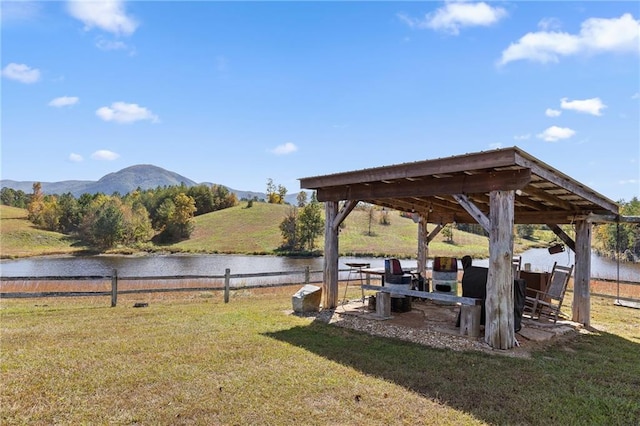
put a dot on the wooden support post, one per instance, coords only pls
(499, 327)
(581, 308)
(307, 275)
(423, 245)
(470, 316)
(114, 288)
(227, 284)
(383, 304)
(330, 282)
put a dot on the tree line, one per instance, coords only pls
(163, 215)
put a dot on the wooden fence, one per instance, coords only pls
(306, 276)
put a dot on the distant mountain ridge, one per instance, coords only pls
(143, 176)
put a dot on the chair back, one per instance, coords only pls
(445, 274)
(558, 281)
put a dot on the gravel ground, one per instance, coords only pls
(434, 325)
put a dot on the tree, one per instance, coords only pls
(311, 224)
(301, 198)
(36, 205)
(275, 195)
(289, 230)
(103, 226)
(525, 231)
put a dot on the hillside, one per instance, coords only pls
(20, 238)
(143, 176)
(254, 230)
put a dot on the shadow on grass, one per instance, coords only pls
(593, 379)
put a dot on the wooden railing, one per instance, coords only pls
(306, 276)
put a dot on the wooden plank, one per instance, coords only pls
(581, 307)
(423, 245)
(440, 297)
(344, 212)
(499, 327)
(427, 186)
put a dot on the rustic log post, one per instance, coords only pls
(227, 281)
(470, 317)
(114, 288)
(383, 304)
(330, 282)
(499, 328)
(581, 308)
(307, 275)
(423, 245)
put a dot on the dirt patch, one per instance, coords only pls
(434, 324)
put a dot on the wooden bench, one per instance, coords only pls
(470, 308)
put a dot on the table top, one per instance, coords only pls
(358, 265)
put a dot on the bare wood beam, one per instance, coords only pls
(563, 236)
(461, 184)
(344, 212)
(581, 306)
(548, 173)
(476, 161)
(604, 218)
(473, 210)
(545, 217)
(549, 198)
(330, 282)
(499, 330)
(434, 232)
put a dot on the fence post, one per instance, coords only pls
(227, 278)
(307, 275)
(114, 288)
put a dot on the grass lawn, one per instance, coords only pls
(191, 359)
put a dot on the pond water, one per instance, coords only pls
(215, 264)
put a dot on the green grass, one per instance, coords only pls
(20, 238)
(255, 230)
(192, 359)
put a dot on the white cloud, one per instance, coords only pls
(591, 106)
(456, 15)
(76, 158)
(108, 15)
(555, 133)
(122, 112)
(547, 24)
(596, 35)
(63, 101)
(552, 112)
(628, 181)
(21, 73)
(522, 137)
(285, 149)
(103, 154)
(636, 95)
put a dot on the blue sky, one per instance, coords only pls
(237, 93)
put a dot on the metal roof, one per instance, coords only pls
(435, 187)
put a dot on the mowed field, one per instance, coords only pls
(189, 358)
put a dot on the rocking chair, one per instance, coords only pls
(548, 302)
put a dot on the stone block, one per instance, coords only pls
(307, 299)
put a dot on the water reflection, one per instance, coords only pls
(180, 264)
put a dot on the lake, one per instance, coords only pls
(215, 264)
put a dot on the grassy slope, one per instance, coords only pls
(256, 230)
(20, 238)
(192, 359)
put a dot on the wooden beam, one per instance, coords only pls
(473, 210)
(423, 245)
(552, 175)
(549, 198)
(344, 212)
(499, 328)
(459, 184)
(581, 307)
(330, 282)
(434, 232)
(563, 236)
(461, 163)
(545, 217)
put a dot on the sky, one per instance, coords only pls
(237, 93)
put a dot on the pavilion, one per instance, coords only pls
(496, 189)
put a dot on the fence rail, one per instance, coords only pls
(305, 274)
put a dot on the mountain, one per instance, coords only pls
(144, 176)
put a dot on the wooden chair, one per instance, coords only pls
(547, 303)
